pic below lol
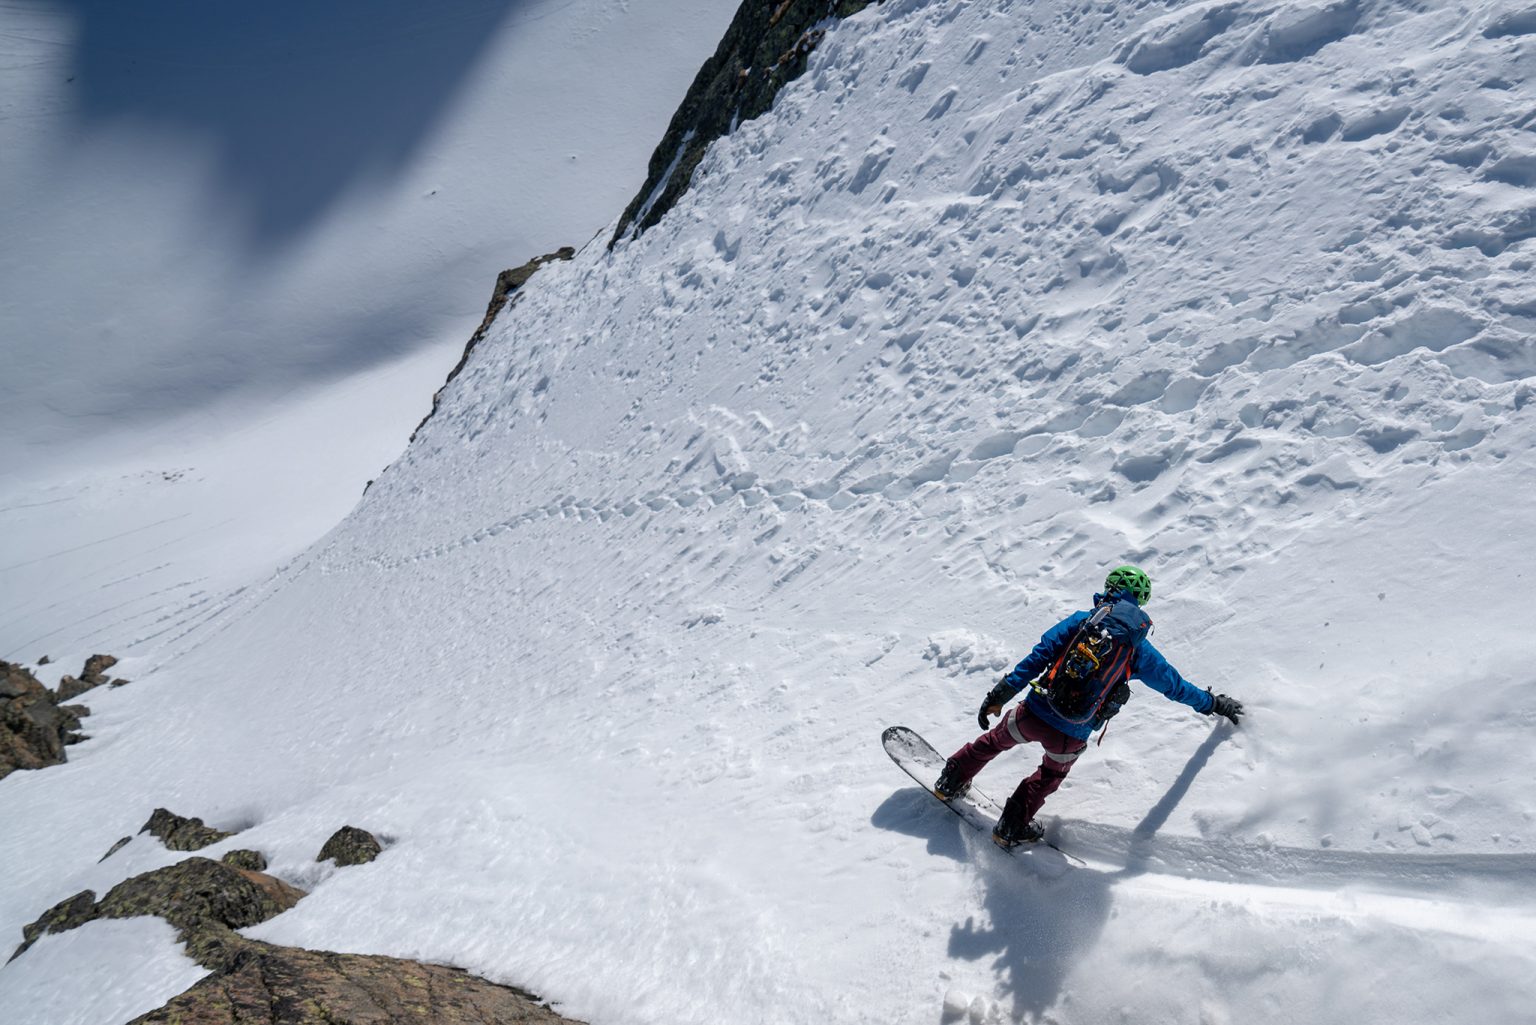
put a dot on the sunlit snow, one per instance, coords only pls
(998, 296)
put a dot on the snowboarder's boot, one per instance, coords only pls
(947, 787)
(1010, 832)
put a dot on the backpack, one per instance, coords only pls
(1087, 682)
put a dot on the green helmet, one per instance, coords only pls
(1131, 580)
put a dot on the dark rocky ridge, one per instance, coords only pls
(766, 46)
(181, 834)
(507, 284)
(34, 726)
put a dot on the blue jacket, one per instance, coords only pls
(1147, 665)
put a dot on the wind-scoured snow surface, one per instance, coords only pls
(1000, 295)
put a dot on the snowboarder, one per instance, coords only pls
(1076, 678)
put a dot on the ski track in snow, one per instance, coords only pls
(997, 296)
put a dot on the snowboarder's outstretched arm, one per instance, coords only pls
(1152, 669)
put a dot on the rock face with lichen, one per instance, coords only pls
(251, 861)
(350, 846)
(203, 899)
(34, 727)
(766, 45)
(255, 983)
(181, 834)
(269, 985)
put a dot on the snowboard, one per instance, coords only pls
(920, 761)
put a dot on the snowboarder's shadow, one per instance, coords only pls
(914, 812)
(1040, 922)
(1041, 916)
(1036, 930)
(1041, 930)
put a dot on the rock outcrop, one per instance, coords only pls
(350, 846)
(251, 861)
(124, 842)
(766, 45)
(95, 669)
(507, 284)
(204, 899)
(270, 985)
(93, 675)
(255, 983)
(34, 727)
(181, 834)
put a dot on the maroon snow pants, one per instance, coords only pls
(1017, 726)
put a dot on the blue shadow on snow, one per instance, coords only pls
(1037, 929)
(299, 101)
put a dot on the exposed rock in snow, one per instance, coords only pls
(766, 46)
(72, 687)
(93, 675)
(271, 985)
(34, 727)
(95, 669)
(203, 899)
(250, 861)
(181, 834)
(116, 846)
(507, 284)
(350, 846)
(259, 982)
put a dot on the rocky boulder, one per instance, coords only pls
(71, 687)
(34, 727)
(95, 669)
(255, 983)
(181, 834)
(93, 675)
(67, 914)
(202, 898)
(350, 846)
(251, 861)
(270, 985)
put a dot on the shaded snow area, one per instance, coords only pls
(999, 295)
(244, 245)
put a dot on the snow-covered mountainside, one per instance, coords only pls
(211, 201)
(243, 246)
(998, 296)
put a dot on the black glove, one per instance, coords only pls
(1229, 707)
(993, 703)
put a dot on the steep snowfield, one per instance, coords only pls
(202, 202)
(1000, 295)
(243, 247)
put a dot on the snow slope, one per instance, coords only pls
(212, 202)
(999, 296)
(245, 244)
